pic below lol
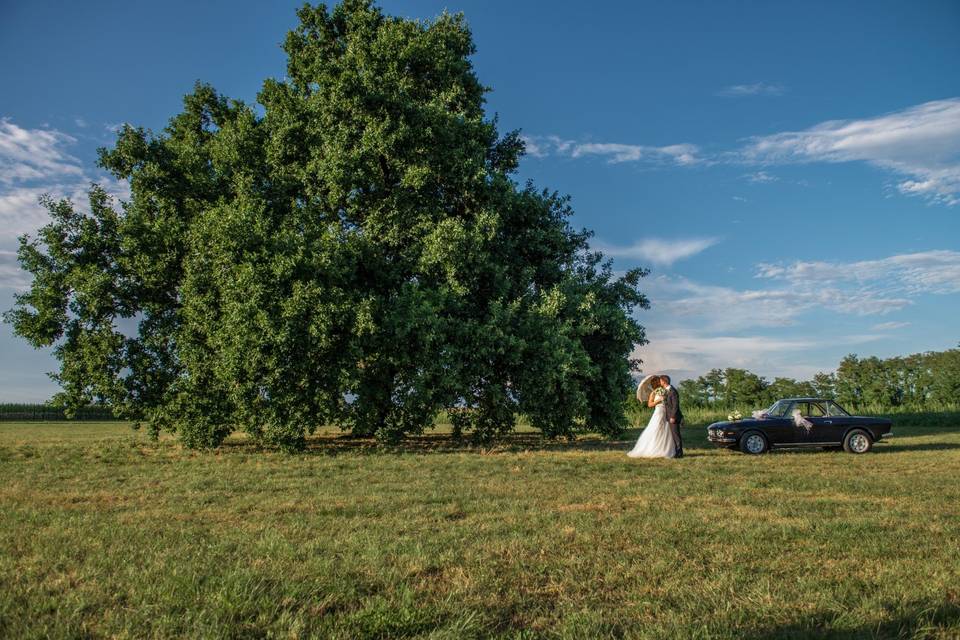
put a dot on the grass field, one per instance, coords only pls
(105, 534)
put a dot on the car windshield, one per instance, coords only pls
(834, 409)
(779, 409)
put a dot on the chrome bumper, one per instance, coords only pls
(719, 439)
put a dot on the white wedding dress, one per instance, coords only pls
(656, 440)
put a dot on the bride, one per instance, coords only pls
(655, 441)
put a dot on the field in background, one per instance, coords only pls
(106, 534)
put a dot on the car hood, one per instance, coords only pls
(733, 424)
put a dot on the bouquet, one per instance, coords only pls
(733, 417)
(659, 393)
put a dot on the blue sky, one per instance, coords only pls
(789, 171)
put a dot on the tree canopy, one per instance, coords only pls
(354, 251)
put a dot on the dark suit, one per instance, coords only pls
(671, 407)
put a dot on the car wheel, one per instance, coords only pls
(754, 443)
(857, 441)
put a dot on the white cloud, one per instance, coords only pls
(866, 288)
(682, 154)
(658, 251)
(543, 146)
(921, 143)
(34, 154)
(760, 177)
(686, 353)
(719, 308)
(679, 154)
(532, 148)
(754, 89)
(739, 199)
(910, 274)
(34, 162)
(20, 211)
(11, 276)
(724, 308)
(889, 326)
(694, 327)
(683, 349)
(80, 122)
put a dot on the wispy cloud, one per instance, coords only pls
(683, 154)
(690, 350)
(34, 154)
(774, 328)
(658, 251)
(20, 211)
(754, 89)
(889, 326)
(921, 143)
(687, 353)
(34, 162)
(720, 308)
(689, 345)
(10, 273)
(760, 177)
(911, 274)
(678, 154)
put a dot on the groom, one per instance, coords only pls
(671, 406)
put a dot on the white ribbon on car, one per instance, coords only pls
(800, 421)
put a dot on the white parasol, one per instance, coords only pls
(645, 388)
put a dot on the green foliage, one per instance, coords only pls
(358, 255)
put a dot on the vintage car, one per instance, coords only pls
(800, 422)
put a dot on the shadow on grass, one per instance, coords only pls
(917, 619)
(694, 438)
(443, 443)
(694, 442)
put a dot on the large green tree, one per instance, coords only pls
(354, 252)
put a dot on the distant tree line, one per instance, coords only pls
(921, 380)
(28, 412)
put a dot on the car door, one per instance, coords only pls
(802, 435)
(826, 428)
(780, 430)
(840, 421)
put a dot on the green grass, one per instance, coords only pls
(105, 534)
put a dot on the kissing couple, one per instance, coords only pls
(661, 438)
